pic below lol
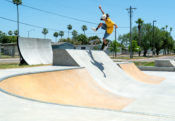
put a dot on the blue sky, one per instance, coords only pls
(148, 10)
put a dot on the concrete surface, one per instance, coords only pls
(145, 108)
(16, 109)
(69, 87)
(153, 68)
(164, 63)
(160, 104)
(36, 51)
(132, 70)
(106, 72)
(151, 102)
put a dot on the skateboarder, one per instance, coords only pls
(108, 26)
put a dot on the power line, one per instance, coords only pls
(35, 26)
(41, 27)
(60, 15)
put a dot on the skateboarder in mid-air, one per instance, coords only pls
(108, 26)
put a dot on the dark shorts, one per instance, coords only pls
(104, 27)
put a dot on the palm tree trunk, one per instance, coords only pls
(22, 61)
(68, 33)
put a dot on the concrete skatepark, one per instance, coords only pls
(86, 86)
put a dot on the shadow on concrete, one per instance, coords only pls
(96, 63)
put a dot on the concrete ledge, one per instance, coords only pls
(164, 63)
(33, 71)
(118, 63)
(152, 68)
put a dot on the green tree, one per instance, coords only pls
(114, 47)
(61, 34)
(45, 32)
(74, 34)
(171, 29)
(158, 40)
(84, 28)
(139, 22)
(69, 27)
(135, 47)
(55, 34)
(124, 41)
(16, 32)
(10, 33)
(82, 39)
(147, 37)
(94, 39)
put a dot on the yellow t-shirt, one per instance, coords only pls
(110, 25)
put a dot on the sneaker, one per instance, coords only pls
(94, 29)
(102, 47)
(105, 48)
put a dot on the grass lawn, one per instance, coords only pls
(144, 63)
(15, 65)
(141, 57)
(7, 56)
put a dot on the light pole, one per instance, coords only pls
(30, 31)
(153, 46)
(130, 11)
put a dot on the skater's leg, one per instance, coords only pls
(100, 25)
(105, 43)
(106, 35)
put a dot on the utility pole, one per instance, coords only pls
(153, 46)
(115, 34)
(130, 11)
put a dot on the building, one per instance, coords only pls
(9, 49)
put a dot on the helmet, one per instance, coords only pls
(103, 17)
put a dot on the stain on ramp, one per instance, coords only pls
(71, 87)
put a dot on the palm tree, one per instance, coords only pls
(10, 33)
(139, 22)
(166, 27)
(17, 3)
(55, 35)
(74, 34)
(69, 27)
(45, 32)
(171, 29)
(16, 32)
(163, 28)
(84, 28)
(61, 33)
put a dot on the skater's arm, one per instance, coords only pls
(101, 10)
(116, 26)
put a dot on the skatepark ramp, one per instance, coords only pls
(36, 51)
(165, 63)
(104, 71)
(132, 70)
(73, 87)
